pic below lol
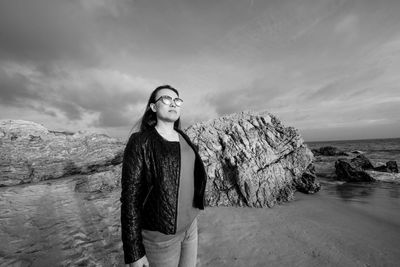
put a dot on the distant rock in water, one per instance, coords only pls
(359, 169)
(349, 171)
(391, 166)
(328, 151)
(252, 160)
(362, 162)
(32, 153)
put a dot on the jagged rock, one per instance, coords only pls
(351, 171)
(328, 151)
(360, 168)
(31, 153)
(100, 181)
(252, 160)
(363, 162)
(307, 182)
(391, 166)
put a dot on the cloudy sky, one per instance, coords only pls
(330, 68)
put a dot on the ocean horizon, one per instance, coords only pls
(350, 140)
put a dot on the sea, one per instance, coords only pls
(49, 224)
(379, 151)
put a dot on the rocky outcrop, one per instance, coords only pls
(307, 182)
(362, 162)
(252, 160)
(31, 153)
(361, 169)
(351, 172)
(390, 166)
(100, 181)
(328, 151)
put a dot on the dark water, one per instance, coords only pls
(377, 150)
(380, 200)
(49, 224)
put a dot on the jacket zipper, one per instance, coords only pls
(177, 192)
(147, 196)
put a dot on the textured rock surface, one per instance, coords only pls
(361, 169)
(31, 153)
(391, 166)
(252, 160)
(307, 183)
(352, 170)
(100, 181)
(362, 162)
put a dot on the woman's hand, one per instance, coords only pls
(142, 262)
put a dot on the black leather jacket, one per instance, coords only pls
(150, 169)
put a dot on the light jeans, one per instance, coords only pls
(180, 251)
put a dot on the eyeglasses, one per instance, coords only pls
(167, 100)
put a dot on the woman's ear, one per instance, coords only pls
(153, 107)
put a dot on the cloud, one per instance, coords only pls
(45, 32)
(346, 87)
(257, 96)
(113, 118)
(15, 88)
(347, 24)
(93, 63)
(111, 94)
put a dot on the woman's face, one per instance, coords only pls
(165, 112)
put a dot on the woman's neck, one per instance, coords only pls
(165, 127)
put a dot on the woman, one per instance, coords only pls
(163, 183)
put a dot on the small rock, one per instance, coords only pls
(307, 182)
(328, 151)
(349, 171)
(391, 166)
(363, 162)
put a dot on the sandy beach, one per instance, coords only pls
(48, 224)
(314, 230)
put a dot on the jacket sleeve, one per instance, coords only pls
(131, 183)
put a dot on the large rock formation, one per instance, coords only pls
(252, 160)
(100, 181)
(31, 153)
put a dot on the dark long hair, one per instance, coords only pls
(149, 118)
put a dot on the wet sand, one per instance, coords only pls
(326, 229)
(48, 224)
